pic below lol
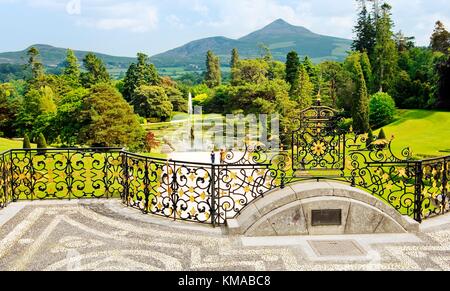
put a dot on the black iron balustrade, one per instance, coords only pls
(60, 174)
(199, 192)
(434, 186)
(213, 193)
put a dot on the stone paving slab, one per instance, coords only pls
(105, 235)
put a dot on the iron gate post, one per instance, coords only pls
(125, 183)
(174, 195)
(418, 192)
(13, 198)
(213, 195)
(147, 186)
(444, 185)
(4, 177)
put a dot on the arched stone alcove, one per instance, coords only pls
(324, 208)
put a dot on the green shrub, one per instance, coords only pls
(370, 140)
(346, 124)
(41, 143)
(26, 142)
(382, 110)
(382, 134)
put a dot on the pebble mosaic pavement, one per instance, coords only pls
(104, 235)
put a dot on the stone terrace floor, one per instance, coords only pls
(104, 235)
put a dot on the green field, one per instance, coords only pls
(7, 144)
(427, 133)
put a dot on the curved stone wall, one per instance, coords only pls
(324, 208)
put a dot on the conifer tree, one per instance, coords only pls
(213, 77)
(386, 54)
(293, 71)
(71, 67)
(365, 30)
(360, 108)
(440, 40)
(26, 142)
(234, 64)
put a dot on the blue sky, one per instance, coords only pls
(126, 27)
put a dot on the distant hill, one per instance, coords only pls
(280, 36)
(53, 56)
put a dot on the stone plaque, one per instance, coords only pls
(326, 217)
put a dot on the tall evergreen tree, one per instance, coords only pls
(365, 30)
(332, 72)
(360, 106)
(34, 63)
(213, 76)
(234, 58)
(142, 73)
(367, 70)
(71, 68)
(95, 71)
(304, 92)
(440, 39)
(313, 73)
(233, 64)
(292, 71)
(386, 53)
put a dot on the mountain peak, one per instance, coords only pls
(278, 28)
(41, 46)
(279, 22)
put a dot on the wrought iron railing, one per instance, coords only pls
(205, 193)
(60, 174)
(213, 193)
(434, 186)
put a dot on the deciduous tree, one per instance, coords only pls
(152, 102)
(109, 120)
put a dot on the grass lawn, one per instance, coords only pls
(7, 144)
(425, 132)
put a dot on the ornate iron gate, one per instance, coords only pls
(319, 143)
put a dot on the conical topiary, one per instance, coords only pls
(370, 140)
(382, 134)
(26, 142)
(41, 143)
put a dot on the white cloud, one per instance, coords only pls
(136, 16)
(200, 7)
(230, 18)
(73, 7)
(175, 21)
(133, 16)
(235, 18)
